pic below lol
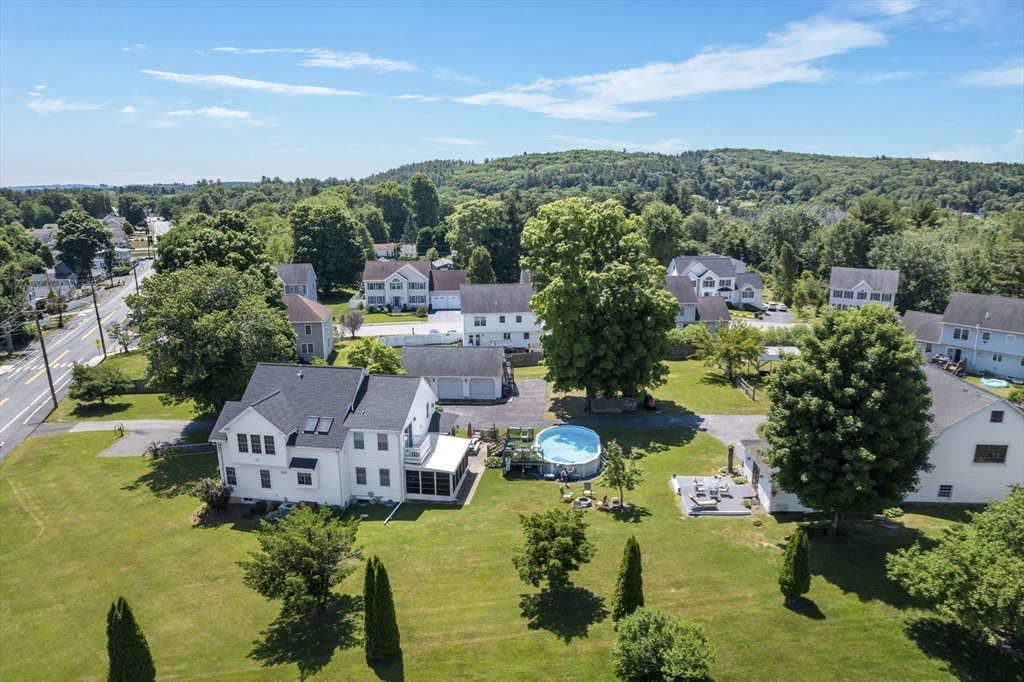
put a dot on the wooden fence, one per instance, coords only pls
(742, 384)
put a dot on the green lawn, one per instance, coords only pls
(339, 304)
(77, 531)
(1001, 392)
(132, 364)
(691, 387)
(129, 406)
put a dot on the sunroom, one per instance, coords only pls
(439, 477)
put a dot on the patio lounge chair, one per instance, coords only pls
(724, 488)
(703, 503)
(615, 504)
(698, 484)
(588, 491)
(603, 503)
(565, 495)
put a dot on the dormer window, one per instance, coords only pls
(311, 423)
(325, 425)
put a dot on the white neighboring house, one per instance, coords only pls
(708, 310)
(298, 279)
(47, 234)
(387, 251)
(978, 449)
(855, 287)
(396, 284)
(715, 275)
(457, 373)
(986, 332)
(334, 435)
(313, 325)
(407, 251)
(499, 315)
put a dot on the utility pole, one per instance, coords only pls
(46, 361)
(136, 277)
(99, 323)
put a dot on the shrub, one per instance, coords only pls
(421, 311)
(212, 493)
(260, 507)
(249, 512)
(629, 587)
(494, 462)
(747, 503)
(360, 306)
(652, 645)
(795, 575)
(1016, 396)
(272, 506)
(758, 522)
(739, 480)
(892, 513)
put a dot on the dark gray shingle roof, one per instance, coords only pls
(879, 280)
(681, 287)
(385, 404)
(302, 309)
(988, 312)
(376, 270)
(953, 399)
(751, 278)
(496, 298)
(924, 326)
(453, 361)
(712, 309)
(294, 273)
(447, 280)
(722, 266)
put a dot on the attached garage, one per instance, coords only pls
(444, 289)
(481, 389)
(444, 302)
(449, 389)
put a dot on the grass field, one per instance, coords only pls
(129, 406)
(1001, 392)
(77, 531)
(339, 304)
(691, 387)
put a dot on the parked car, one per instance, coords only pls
(764, 307)
(772, 307)
(783, 308)
(452, 331)
(434, 331)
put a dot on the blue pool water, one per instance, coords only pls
(569, 444)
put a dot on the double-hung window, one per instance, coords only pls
(875, 296)
(385, 478)
(519, 318)
(848, 294)
(382, 441)
(306, 348)
(747, 293)
(480, 321)
(361, 475)
(243, 442)
(304, 478)
(268, 445)
(997, 357)
(886, 297)
(396, 284)
(709, 282)
(961, 334)
(501, 319)
(229, 473)
(996, 417)
(265, 478)
(357, 440)
(837, 293)
(985, 336)
(946, 491)
(254, 444)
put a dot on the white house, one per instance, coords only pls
(387, 251)
(407, 251)
(313, 325)
(499, 315)
(978, 449)
(979, 443)
(987, 332)
(854, 287)
(298, 279)
(458, 372)
(334, 435)
(396, 284)
(715, 275)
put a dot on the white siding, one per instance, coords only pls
(373, 460)
(493, 334)
(953, 457)
(251, 422)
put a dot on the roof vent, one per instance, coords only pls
(300, 373)
(986, 314)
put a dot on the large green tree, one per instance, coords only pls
(96, 202)
(373, 219)
(730, 348)
(331, 240)
(127, 649)
(555, 545)
(132, 207)
(425, 202)
(924, 267)
(395, 202)
(629, 585)
(663, 229)
(975, 574)
(80, 238)
(599, 298)
(376, 358)
(480, 270)
(485, 222)
(848, 422)
(203, 330)
(302, 557)
(226, 240)
(96, 383)
(786, 270)
(785, 224)
(1008, 258)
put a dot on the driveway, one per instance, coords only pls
(773, 320)
(524, 410)
(140, 433)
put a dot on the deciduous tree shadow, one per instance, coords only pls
(966, 657)
(805, 607)
(567, 613)
(309, 641)
(98, 410)
(169, 475)
(634, 513)
(566, 406)
(390, 669)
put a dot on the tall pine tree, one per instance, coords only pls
(130, 659)
(795, 575)
(629, 587)
(369, 607)
(382, 636)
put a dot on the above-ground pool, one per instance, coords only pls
(995, 383)
(572, 448)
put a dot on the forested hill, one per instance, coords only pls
(737, 175)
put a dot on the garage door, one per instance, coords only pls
(449, 389)
(481, 389)
(453, 303)
(439, 302)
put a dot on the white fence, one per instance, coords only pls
(420, 339)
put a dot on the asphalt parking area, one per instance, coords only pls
(525, 409)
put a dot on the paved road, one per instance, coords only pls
(24, 395)
(159, 227)
(772, 320)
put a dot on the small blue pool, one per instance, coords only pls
(572, 448)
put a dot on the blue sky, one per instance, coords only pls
(149, 92)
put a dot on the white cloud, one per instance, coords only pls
(895, 7)
(786, 57)
(134, 48)
(871, 78)
(40, 87)
(1008, 74)
(247, 83)
(665, 146)
(36, 94)
(127, 110)
(459, 141)
(450, 75)
(329, 58)
(961, 153)
(211, 112)
(51, 106)
(1018, 137)
(421, 98)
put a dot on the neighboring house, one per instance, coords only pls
(712, 311)
(335, 435)
(926, 329)
(118, 238)
(298, 279)
(313, 325)
(499, 315)
(854, 287)
(62, 270)
(444, 289)
(978, 449)
(47, 234)
(708, 310)
(979, 443)
(396, 284)
(986, 332)
(388, 251)
(114, 222)
(458, 372)
(39, 286)
(408, 251)
(442, 264)
(715, 275)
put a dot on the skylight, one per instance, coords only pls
(325, 425)
(311, 424)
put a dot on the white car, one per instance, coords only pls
(772, 307)
(783, 308)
